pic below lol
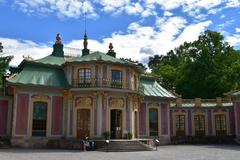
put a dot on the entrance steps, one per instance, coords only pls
(123, 146)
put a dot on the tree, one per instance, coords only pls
(4, 63)
(206, 68)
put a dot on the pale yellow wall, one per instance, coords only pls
(91, 107)
(119, 107)
(156, 106)
(220, 111)
(174, 121)
(40, 98)
(200, 112)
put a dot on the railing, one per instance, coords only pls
(105, 83)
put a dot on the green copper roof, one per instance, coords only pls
(237, 93)
(152, 88)
(52, 60)
(98, 56)
(204, 105)
(40, 75)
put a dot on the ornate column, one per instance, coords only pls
(99, 108)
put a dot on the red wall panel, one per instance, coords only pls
(3, 116)
(57, 115)
(22, 114)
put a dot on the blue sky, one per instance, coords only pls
(137, 28)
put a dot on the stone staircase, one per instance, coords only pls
(4, 143)
(122, 146)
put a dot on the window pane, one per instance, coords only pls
(116, 75)
(153, 122)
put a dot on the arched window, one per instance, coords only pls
(39, 125)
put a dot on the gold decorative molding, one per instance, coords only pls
(41, 97)
(83, 102)
(116, 102)
(152, 104)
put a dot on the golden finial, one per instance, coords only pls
(110, 46)
(85, 42)
(58, 38)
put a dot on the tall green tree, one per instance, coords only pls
(206, 68)
(4, 63)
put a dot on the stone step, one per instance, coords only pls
(122, 146)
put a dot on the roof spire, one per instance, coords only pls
(85, 42)
(1, 47)
(85, 50)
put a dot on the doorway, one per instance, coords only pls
(116, 124)
(83, 123)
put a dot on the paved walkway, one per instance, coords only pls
(178, 152)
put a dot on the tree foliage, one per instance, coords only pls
(4, 64)
(206, 68)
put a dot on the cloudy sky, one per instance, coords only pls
(137, 28)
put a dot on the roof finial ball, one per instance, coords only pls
(58, 39)
(110, 46)
(111, 51)
(58, 47)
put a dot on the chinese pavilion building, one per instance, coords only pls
(63, 97)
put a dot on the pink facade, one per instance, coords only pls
(95, 121)
(237, 109)
(171, 122)
(104, 114)
(22, 114)
(127, 78)
(189, 122)
(209, 115)
(127, 116)
(142, 119)
(232, 121)
(57, 115)
(3, 116)
(164, 118)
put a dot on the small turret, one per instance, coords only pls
(58, 47)
(1, 47)
(85, 51)
(111, 51)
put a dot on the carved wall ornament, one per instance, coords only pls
(41, 97)
(116, 102)
(220, 109)
(153, 104)
(84, 102)
(198, 110)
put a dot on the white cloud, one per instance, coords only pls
(237, 30)
(167, 13)
(62, 8)
(145, 8)
(20, 48)
(234, 40)
(138, 43)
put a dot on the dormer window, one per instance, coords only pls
(116, 79)
(84, 77)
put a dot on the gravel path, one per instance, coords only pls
(178, 152)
